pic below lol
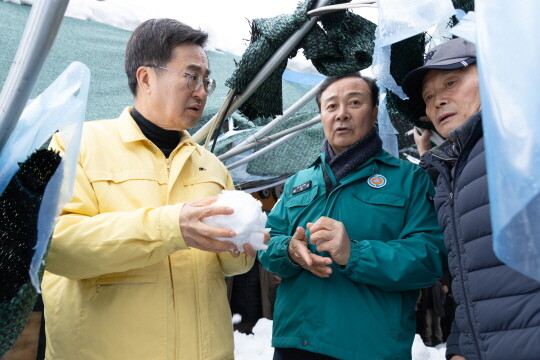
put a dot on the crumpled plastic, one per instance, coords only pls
(508, 55)
(387, 132)
(399, 20)
(61, 106)
(247, 221)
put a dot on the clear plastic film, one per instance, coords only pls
(399, 20)
(509, 53)
(387, 132)
(61, 106)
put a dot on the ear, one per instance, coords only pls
(144, 79)
(375, 113)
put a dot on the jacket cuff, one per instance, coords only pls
(356, 249)
(169, 225)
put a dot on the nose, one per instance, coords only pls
(200, 93)
(343, 114)
(441, 100)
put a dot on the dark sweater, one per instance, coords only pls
(165, 140)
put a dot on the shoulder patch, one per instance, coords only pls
(298, 189)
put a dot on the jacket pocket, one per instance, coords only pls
(132, 280)
(302, 199)
(382, 215)
(127, 189)
(203, 185)
(377, 198)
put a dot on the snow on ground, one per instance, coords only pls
(258, 346)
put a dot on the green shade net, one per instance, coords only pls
(342, 43)
(19, 207)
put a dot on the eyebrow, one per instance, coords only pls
(349, 94)
(197, 68)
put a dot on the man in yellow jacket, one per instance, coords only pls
(132, 271)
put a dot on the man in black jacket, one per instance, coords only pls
(498, 309)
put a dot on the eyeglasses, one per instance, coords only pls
(194, 80)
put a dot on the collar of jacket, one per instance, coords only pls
(380, 157)
(457, 138)
(130, 131)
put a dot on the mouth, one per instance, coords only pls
(341, 130)
(445, 117)
(195, 108)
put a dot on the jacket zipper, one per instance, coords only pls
(456, 244)
(98, 286)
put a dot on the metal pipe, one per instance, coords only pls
(271, 125)
(288, 113)
(281, 54)
(292, 132)
(37, 39)
(261, 141)
(351, 5)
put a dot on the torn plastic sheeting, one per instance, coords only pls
(387, 132)
(511, 111)
(401, 19)
(381, 70)
(466, 28)
(59, 190)
(61, 106)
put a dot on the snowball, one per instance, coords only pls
(247, 221)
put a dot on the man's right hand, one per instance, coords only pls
(423, 143)
(300, 254)
(457, 357)
(201, 236)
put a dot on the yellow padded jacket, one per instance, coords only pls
(120, 282)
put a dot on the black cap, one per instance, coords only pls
(454, 54)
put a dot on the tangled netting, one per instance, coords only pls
(341, 43)
(407, 55)
(19, 207)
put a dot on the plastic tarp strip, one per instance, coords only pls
(61, 106)
(508, 54)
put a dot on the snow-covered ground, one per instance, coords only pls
(258, 346)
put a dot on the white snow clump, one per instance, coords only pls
(247, 221)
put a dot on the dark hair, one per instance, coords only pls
(152, 43)
(373, 88)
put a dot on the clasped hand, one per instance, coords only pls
(329, 235)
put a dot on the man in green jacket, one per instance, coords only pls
(354, 237)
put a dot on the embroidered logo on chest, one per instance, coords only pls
(376, 181)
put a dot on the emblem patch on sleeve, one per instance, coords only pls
(300, 188)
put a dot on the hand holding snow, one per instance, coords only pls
(247, 221)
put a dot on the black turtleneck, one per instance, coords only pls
(165, 140)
